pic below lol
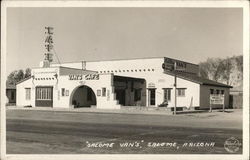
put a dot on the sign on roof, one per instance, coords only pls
(169, 63)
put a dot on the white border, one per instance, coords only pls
(193, 4)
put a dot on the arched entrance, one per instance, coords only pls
(82, 96)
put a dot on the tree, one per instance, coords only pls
(228, 70)
(27, 73)
(211, 68)
(18, 75)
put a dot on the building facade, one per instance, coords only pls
(115, 83)
(11, 94)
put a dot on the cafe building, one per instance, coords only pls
(111, 84)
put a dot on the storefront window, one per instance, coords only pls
(44, 93)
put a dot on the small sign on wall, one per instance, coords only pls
(161, 80)
(151, 85)
(98, 92)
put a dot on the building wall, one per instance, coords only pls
(191, 98)
(104, 102)
(151, 70)
(20, 93)
(205, 96)
(46, 77)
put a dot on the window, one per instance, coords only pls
(44, 93)
(181, 92)
(222, 91)
(137, 95)
(104, 92)
(98, 92)
(12, 95)
(217, 91)
(67, 92)
(63, 92)
(211, 91)
(27, 93)
(89, 94)
(167, 94)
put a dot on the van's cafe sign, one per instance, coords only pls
(84, 77)
(217, 99)
(168, 64)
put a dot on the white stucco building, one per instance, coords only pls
(115, 83)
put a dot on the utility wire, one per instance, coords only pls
(56, 55)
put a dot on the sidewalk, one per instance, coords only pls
(94, 110)
(150, 111)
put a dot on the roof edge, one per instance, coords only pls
(25, 79)
(223, 85)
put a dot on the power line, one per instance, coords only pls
(56, 55)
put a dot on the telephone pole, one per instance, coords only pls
(175, 90)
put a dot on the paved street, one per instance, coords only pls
(54, 132)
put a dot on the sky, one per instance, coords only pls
(188, 34)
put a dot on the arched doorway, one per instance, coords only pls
(82, 96)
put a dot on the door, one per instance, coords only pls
(44, 96)
(151, 97)
(120, 96)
